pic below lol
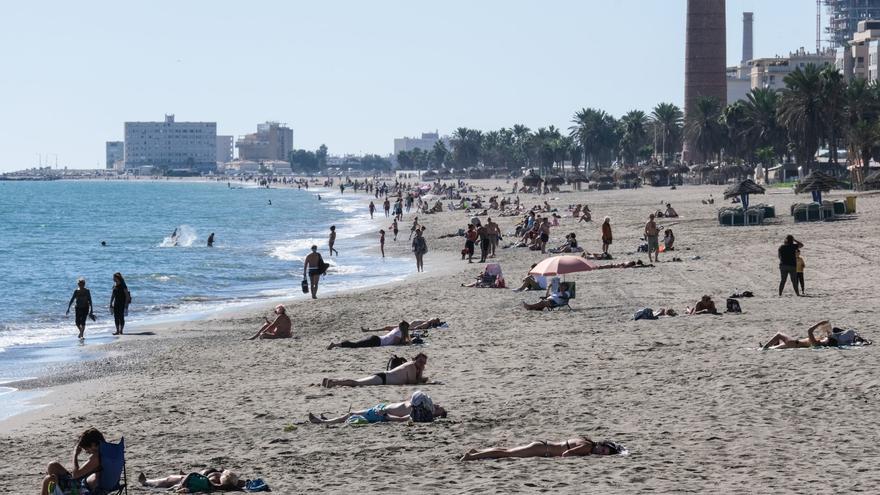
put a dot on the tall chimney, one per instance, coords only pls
(747, 36)
(705, 59)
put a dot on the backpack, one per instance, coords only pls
(733, 306)
(394, 362)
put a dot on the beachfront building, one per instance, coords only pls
(171, 145)
(859, 59)
(739, 76)
(272, 141)
(770, 72)
(115, 151)
(844, 17)
(224, 149)
(424, 143)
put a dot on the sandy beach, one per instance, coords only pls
(699, 406)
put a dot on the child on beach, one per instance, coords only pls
(800, 270)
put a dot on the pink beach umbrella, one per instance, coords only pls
(560, 265)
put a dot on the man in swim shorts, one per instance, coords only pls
(380, 413)
(312, 270)
(406, 374)
(652, 234)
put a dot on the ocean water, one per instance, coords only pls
(51, 233)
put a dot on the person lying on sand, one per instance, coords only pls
(418, 406)
(398, 335)
(278, 329)
(85, 476)
(568, 448)
(207, 480)
(829, 337)
(414, 325)
(409, 373)
(706, 306)
(628, 264)
(551, 299)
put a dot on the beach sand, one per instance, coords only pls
(699, 407)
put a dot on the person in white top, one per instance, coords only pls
(533, 282)
(396, 336)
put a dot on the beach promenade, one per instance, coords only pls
(700, 408)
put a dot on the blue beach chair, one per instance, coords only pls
(113, 479)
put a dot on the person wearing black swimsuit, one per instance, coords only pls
(119, 301)
(83, 310)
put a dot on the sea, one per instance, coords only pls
(51, 234)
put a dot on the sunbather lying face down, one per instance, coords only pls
(571, 447)
(395, 411)
(406, 374)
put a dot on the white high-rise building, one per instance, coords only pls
(424, 143)
(170, 144)
(224, 149)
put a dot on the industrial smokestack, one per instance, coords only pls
(747, 36)
(705, 59)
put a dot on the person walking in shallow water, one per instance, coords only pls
(332, 240)
(382, 242)
(312, 268)
(120, 298)
(372, 209)
(83, 309)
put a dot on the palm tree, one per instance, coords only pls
(466, 147)
(633, 134)
(439, 154)
(703, 126)
(736, 125)
(521, 137)
(667, 119)
(833, 103)
(800, 111)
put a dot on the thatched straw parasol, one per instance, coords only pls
(817, 183)
(601, 176)
(872, 181)
(626, 174)
(532, 180)
(743, 189)
(554, 181)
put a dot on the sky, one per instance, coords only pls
(351, 74)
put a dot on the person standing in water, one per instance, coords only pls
(372, 209)
(419, 247)
(312, 267)
(83, 309)
(387, 207)
(332, 240)
(382, 241)
(120, 298)
(211, 240)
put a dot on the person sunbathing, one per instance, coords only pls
(551, 299)
(206, 480)
(705, 306)
(414, 325)
(398, 335)
(418, 406)
(409, 373)
(569, 448)
(628, 264)
(586, 216)
(831, 337)
(278, 329)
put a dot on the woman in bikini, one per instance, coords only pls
(568, 448)
(207, 480)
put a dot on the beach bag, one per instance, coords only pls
(644, 314)
(845, 337)
(305, 286)
(257, 485)
(733, 306)
(394, 362)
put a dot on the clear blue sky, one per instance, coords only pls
(351, 74)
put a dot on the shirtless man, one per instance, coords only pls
(312, 270)
(706, 306)
(545, 234)
(278, 329)
(332, 240)
(395, 411)
(652, 235)
(494, 233)
(406, 374)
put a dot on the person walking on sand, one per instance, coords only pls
(83, 309)
(372, 209)
(788, 262)
(470, 238)
(410, 373)
(394, 229)
(120, 298)
(278, 329)
(606, 235)
(494, 232)
(312, 267)
(652, 235)
(332, 240)
(382, 242)
(800, 271)
(485, 244)
(420, 247)
(415, 226)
